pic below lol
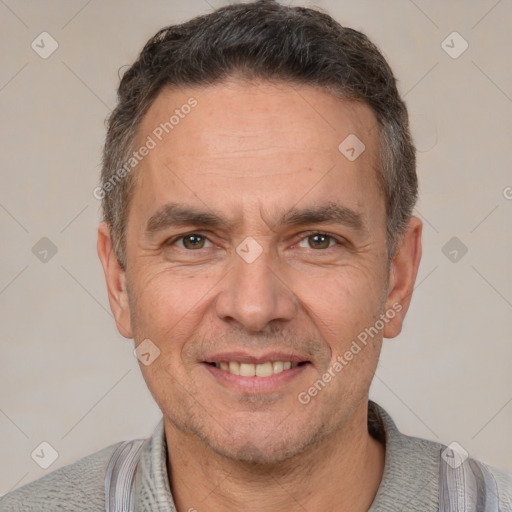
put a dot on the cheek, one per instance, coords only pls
(168, 311)
(340, 301)
(165, 298)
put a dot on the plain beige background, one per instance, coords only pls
(69, 379)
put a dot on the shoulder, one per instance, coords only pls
(76, 487)
(432, 452)
(419, 471)
(504, 482)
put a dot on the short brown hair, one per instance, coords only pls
(263, 40)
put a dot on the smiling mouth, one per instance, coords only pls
(265, 369)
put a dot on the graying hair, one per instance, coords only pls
(269, 41)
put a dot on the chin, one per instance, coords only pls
(250, 453)
(263, 448)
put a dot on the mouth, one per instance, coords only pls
(264, 369)
(250, 374)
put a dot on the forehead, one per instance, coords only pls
(266, 143)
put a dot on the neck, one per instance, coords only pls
(341, 473)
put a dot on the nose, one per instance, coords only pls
(254, 294)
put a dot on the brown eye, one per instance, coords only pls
(317, 241)
(193, 241)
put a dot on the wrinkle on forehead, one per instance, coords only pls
(258, 116)
(272, 144)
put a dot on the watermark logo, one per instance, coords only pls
(44, 250)
(157, 135)
(249, 250)
(352, 147)
(454, 45)
(44, 45)
(454, 455)
(44, 455)
(454, 249)
(146, 352)
(305, 397)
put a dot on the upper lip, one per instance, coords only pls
(244, 357)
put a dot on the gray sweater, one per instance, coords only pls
(409, 482)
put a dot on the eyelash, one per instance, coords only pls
(304, 237)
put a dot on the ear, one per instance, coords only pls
(116, 282)
(402, 276)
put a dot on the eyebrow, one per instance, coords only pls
(330, 213)
(177, 214)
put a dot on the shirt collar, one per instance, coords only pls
(411, 468)
(410, 475)
(152, 488)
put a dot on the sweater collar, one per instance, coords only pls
(411, 468)
(410, 477)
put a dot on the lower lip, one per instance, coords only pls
(256, 384)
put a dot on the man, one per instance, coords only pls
(258, 244)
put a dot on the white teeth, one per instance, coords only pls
(234, 367)
(264, 369)
(255, 370)
(247, 370)
(278, 366)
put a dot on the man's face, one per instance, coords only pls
(267, 286)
